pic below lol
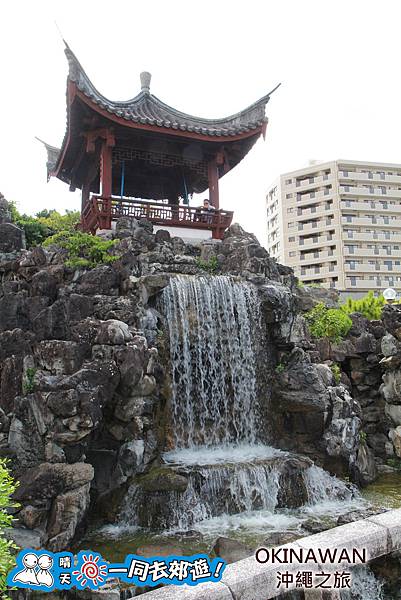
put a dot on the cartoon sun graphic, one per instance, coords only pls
(90, 571)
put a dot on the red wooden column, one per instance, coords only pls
(213, 177)
(106, 183)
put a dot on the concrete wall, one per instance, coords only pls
(249, 580)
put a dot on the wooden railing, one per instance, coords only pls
(99, 212)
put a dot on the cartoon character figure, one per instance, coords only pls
(28, 574)
(45, 563)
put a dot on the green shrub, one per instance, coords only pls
(7, 488)
(210, 265)
(35, 231)
(394, 462)
(45, 224)
(362, 436)
(84, 250)
(280, 368)
(370, 306)
(332, 323)
(335, 369)
(28, 385)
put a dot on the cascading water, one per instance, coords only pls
(212, 323)
(365, 586)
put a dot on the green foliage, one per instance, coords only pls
(300, 283)
(332, 323)
(7, 488)
(335, 369)
(280, 367)
(45, 224)
(28, 385)
(362, 436)
(35, 231)
(57, 222)
(210, 265)
(394, 462)
(83, 249)
(370, 306)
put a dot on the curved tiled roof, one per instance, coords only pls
(53, 154)
(147, 109)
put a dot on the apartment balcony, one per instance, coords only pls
(364, 191)
(380, 268)
(318, 256)
(316, 272)
(370, 252)
(365, 222)
(364, 236)
(376, 178)
(317, 226)
(313, 182)
(315, 242)
(314, 211)
(318, 196)
(370, 284)
(373, 206)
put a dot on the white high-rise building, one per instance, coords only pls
(338, 224)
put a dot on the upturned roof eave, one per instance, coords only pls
(248, 116)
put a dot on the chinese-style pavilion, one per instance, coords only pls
(140, 157)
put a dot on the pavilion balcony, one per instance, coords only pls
(100, 212)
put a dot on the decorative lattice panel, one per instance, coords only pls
(158, 159)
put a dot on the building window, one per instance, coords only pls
(288, 181)
(291, 239)
(293, 253)
(288, 196)
(353, 280)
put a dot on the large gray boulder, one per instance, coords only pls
(12, 238)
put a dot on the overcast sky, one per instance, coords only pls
(338, 61)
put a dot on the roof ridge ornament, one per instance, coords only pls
(145, 77)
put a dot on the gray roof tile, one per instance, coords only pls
(147, 109)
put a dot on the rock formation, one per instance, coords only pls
(83, 362)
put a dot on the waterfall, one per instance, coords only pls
(227, 478)
(212, 325)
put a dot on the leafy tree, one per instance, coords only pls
(332, 323)
(45, 224)
(370, 306)
(57, 222)
(35, 231)
(83, 249)
(7, 488)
